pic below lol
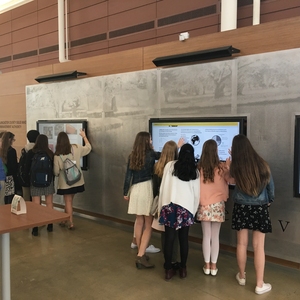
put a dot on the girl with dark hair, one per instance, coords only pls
(9, 157)
(214, 192)
(139, 177)
(178, 203)
(41, 146)
(65, 150)
(253, 193)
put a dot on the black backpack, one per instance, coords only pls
(41, 172)
(24, 178)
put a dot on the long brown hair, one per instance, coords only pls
(250, 171)
(168, 153)
(6, 143)
(63, 146)
(141, 146)
(209, 161)
(41, 144)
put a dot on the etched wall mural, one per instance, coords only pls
(263, 87)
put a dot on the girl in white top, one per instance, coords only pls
(178, 202)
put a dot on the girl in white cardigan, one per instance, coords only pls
(178, 203)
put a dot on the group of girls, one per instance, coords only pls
(190, 191)
(64, 150)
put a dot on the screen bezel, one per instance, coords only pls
(242, 120)
(297, 157)
(83, 123)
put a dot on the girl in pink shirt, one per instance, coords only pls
(214, 178)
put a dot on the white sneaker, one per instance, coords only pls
(152, 249)
(266, 287)
(241, 281)
(133, 246)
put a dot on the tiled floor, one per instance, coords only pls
(95, 261)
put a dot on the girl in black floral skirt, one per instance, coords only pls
(254, 191)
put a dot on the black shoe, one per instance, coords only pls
(35, 231)
(50, 227)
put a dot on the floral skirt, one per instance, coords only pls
(253, 217)
(213, 212)
(175, 216)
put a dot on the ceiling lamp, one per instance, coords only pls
(191, 57)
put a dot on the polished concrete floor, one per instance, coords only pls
(95, 261)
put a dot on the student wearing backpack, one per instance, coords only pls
(24, 178)
(64, 150)
(39, 166)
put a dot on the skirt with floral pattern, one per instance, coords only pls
(213, 212)
(253, 217)
(175, 216)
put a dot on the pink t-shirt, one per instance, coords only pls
(214, 192)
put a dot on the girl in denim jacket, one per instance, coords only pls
(138, 191)
(252, 196)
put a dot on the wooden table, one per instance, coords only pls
(37, 215)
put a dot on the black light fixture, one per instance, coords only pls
(59, 77)
(195, 56)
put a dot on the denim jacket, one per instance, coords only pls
(2, 171)
(134, 176)
(266, 195)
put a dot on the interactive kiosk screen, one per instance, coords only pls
(51, 128)
(196, 131)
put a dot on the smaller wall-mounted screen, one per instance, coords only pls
(196, 131)
(51, 128)
(297, 158)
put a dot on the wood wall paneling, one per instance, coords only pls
(78, 5)
(15, 82)
(118, 6)
(280, 15)
(177, 28)
(193, 33)
(123, 47)
(6, 67)
(244, 22)
(48, 13)
(274, 6)
(26, 9)
(5, 28)
(89, 53)
(43, 4)
(48, 27)
(88, 29)
(24, 21)
(5, 17)
(250, 40)
(14, 118)
(25, 46)
(6, 39)
(112, 63)
(132, 17)
(48, 40)
(101, 45)
(51, 56)
(133, 38)
(30, 62)
(88, 14)
(172, 7)
(25, 33)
